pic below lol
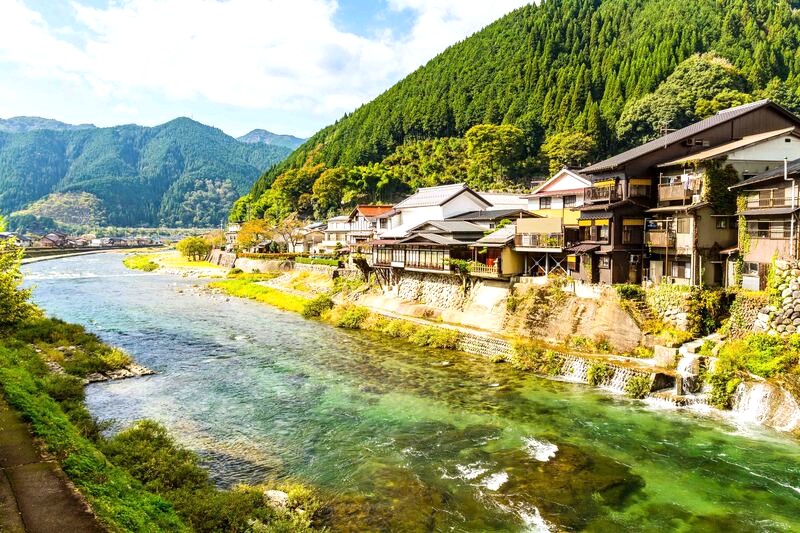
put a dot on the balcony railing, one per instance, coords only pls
(539, 240)
(675, 191)
(660, 238)
(769, 198)
(602, 194)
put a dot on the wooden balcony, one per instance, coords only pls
(547, 241)
(602, 194)
(675, 191)
(479, 270)
(660, 238)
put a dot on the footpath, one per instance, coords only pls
(35, 495)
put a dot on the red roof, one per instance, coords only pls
(373, 210)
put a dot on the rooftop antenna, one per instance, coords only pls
(664, 131)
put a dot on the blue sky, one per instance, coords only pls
(290, 66)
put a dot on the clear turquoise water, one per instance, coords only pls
(400, 441)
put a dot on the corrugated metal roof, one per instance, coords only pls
(729, 147)
(430, 196)
(679, 135)
(792, 168)
(583, 248)
(768, 211)
(498, 237)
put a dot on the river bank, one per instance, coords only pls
(410, 438)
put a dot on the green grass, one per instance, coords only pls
(260, 293)
(140, 262)
(119, 501)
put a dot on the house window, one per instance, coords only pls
(681, 269)
(604, 261)
(639, 191)
(632, 235)
(569, 201)
(722, 223)
(545, 203)
(750, 269)
(602, 233)
(683, 225)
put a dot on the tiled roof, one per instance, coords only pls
(431, 196)
(792, 168)
(451, 226)
(492, 214)
(373, 210)
(729, 147)
(681, 134)
(769, 211)
(433, 237)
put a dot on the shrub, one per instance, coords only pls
(315, 307)
(630, 292)
(63, 387)
(638, 387)
(194, 248)
(114, 359)
(235, 271)
(350, 316)
(579, 342)
(140, 262)
(762, 354)
(398, 328)
(602, 344)
(318, 261)
(598, 373)
(529, 356)
(436, 337)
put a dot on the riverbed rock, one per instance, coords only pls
(277, 499)
(133, 370)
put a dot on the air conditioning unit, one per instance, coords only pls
(636, 259)
(705, 144)
(696, 199)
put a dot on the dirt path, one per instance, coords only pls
(35, 495)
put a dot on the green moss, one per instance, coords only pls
(436, 337)
(638, 387)
(140, 262)
(260, 293)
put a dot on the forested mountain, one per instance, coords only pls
(181, 173)
(20, 124)
(267, 137)
(572, 80)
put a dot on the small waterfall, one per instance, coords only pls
(575, 369)
(620, 379)
(764, 403)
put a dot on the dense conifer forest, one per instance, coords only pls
(564, 82)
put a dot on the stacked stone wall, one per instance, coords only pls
(260, 265)
(671, 304)
(222, 258)
(328, 270)
(782, 316)
(435, 290)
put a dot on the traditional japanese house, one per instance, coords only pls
(768, 213)
(694, 220)
(612, 246)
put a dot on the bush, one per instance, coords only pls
(63, 387)
(598, 373)
(529, 356)
(318, 261)
(762, 354)
(140, 262)
(398, 328)
(602, 344)
(630, 292)
(436, 337)
(350, 316)
(314, 308)
(114, 359)
(638, 387)
(194, 248)
(235, 271)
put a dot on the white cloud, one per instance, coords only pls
(255, 54)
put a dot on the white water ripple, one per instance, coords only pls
(541, 450)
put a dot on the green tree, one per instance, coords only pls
(194, 248)
(328, 192)
(725, 99)
(567, 149)
(14, 305)
(252, 232)
(492, 151)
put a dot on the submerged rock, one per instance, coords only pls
(133, 370)
(277, 499)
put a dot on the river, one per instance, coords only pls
(410, 439)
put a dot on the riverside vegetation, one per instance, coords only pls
(139, 479)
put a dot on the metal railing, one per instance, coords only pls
(539, 240)
(674, 191)
(661, 238)
(485, 270)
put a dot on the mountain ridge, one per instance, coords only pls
(259, 135)
(180, 173)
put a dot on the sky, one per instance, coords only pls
(289, 66)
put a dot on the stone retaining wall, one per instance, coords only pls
(318, 269)
(222, 258)
(783, 317)
(261, 265)
(671, 304)
(484, 345)
(435, 290)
